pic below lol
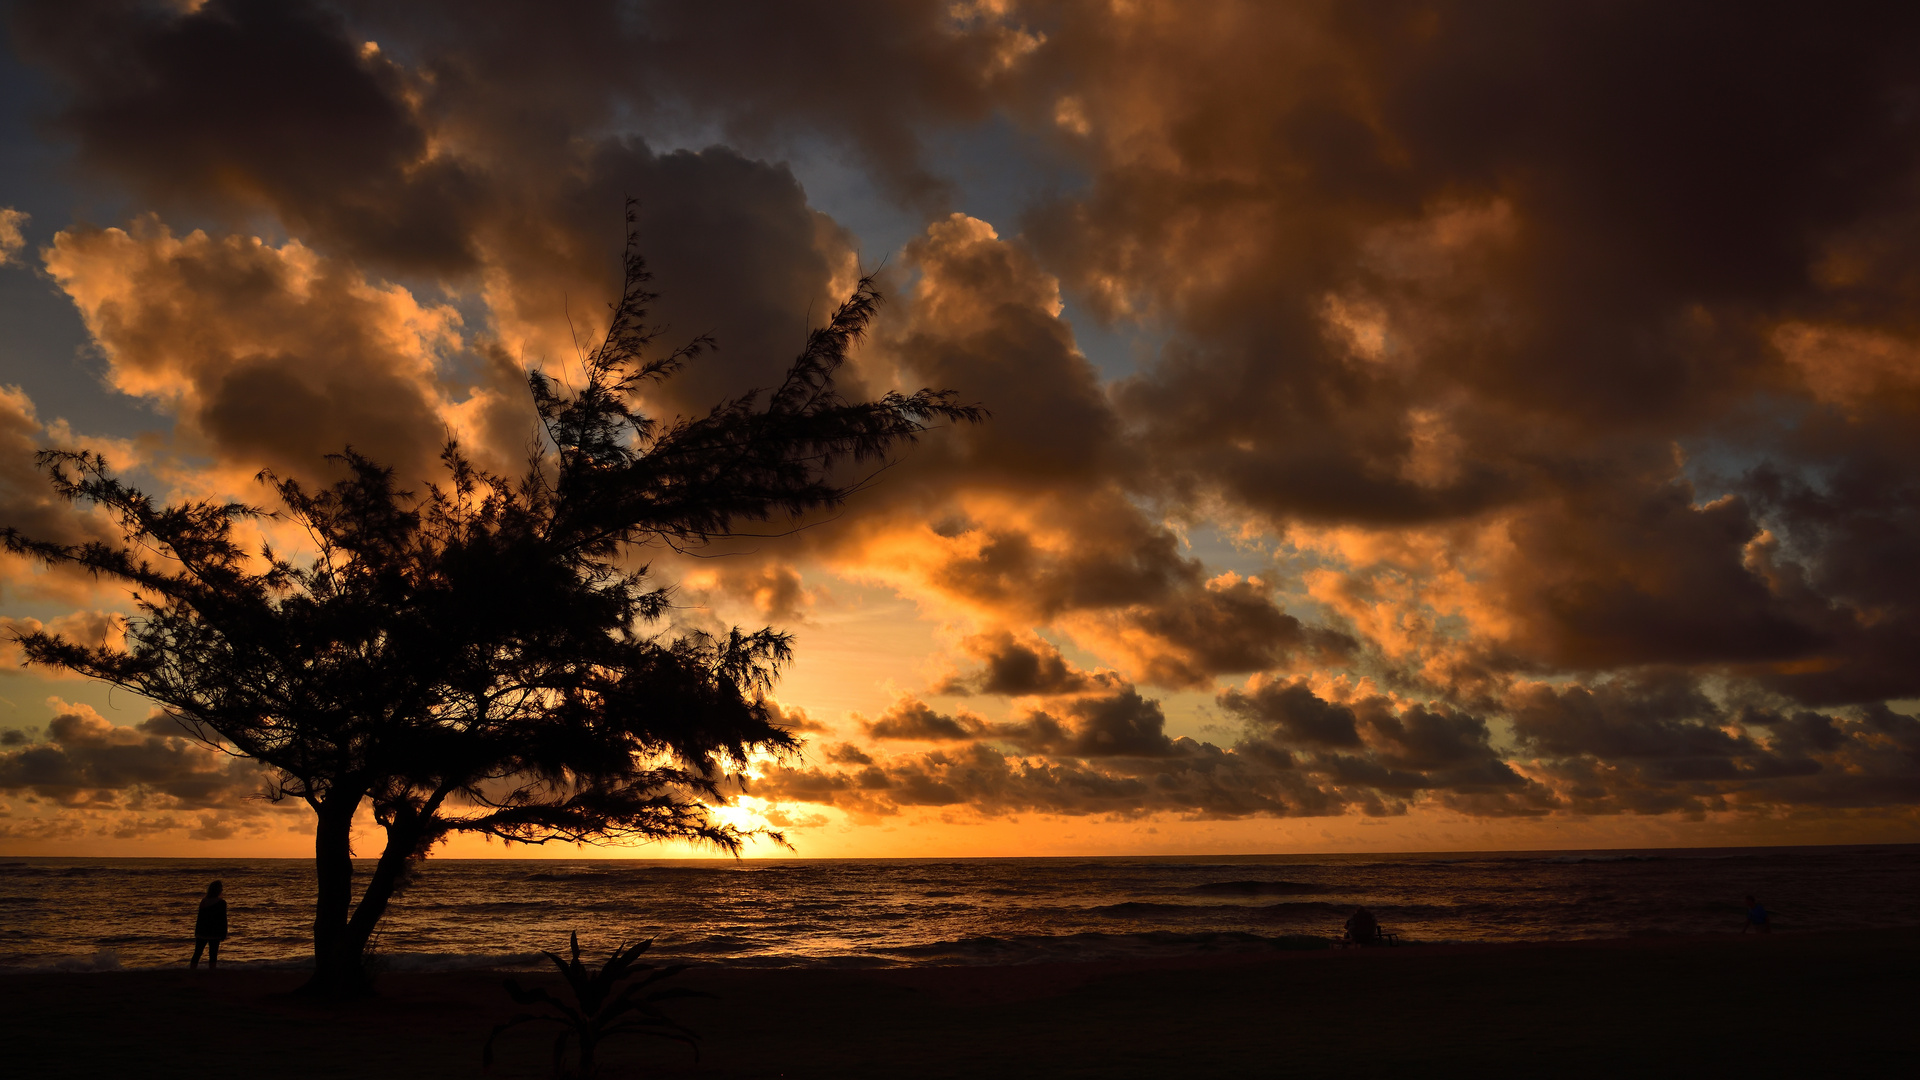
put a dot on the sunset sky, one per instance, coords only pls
(1415, 425)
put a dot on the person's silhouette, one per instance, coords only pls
(1362, 927)
(209, 927)
(1757, 919)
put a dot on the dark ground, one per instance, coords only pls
(1809, 1005)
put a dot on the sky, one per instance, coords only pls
(1415, 426)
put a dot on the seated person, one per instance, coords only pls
(1362, 928)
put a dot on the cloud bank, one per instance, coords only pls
(1522, 420)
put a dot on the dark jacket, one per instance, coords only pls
(211, 924)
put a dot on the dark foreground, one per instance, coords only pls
(1789, 1005)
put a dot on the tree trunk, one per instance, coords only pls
(341, 929)
(402, 840)
(340, 961)
(337, 967)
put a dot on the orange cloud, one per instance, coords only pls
(1517, 425)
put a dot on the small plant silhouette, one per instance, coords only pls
(601, 1006)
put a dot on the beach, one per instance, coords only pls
(1805, 1004)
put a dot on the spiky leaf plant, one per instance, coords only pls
(601, 1006)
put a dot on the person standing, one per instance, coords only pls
(1757, 920)
(209, 927)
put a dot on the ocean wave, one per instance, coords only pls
(480, 907)
(1254, 888)
(452, 961)
(718, 943)
(99, 960)
(641, 874)
(1573, 860)
(1144, 909)
(63, 910)
(1041, 948)
(1138, 909)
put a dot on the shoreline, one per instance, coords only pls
(1344, 853)
(1726, 1004)
(1243, 949)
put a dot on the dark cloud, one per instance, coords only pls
(793, 718)
(87, 762)
(269, 356)
(1119, 723)
(1031, 516)
(1108, 753)
(848, 754)
(1842, 557)
(1470, 260)
(1623, 577)
(1566, 355)
(911, 719)
(1017, 667)
(1386, 753)
(279, 355)
(1653, 717)
(1296, 713)
(1650, 745)
(243, 103)
(1655, 744)
(26, 502)
(1232, 627)
(764, 73)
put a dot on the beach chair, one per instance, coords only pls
(1381, 936)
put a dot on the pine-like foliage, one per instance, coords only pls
(484, 656)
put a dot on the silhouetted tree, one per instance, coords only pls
(484, 657)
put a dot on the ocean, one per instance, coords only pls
(104, 914)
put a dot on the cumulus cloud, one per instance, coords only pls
(233, 105)
(86, 762)
(266, 354)
(911, 719)
(1295, 713)
(29, 505)
(92, 629)
(1108, 753)
(1558, 362)
(1409, 305)
(793, 718)
(11, 239)
(1651, 745)
(1033, 518)
(1655, 743)
(1016, 665)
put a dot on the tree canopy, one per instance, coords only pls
(485, 654)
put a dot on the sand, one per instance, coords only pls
(1799, 1005)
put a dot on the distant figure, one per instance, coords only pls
(1362, 927)
(1756, 918)
(209, 927)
